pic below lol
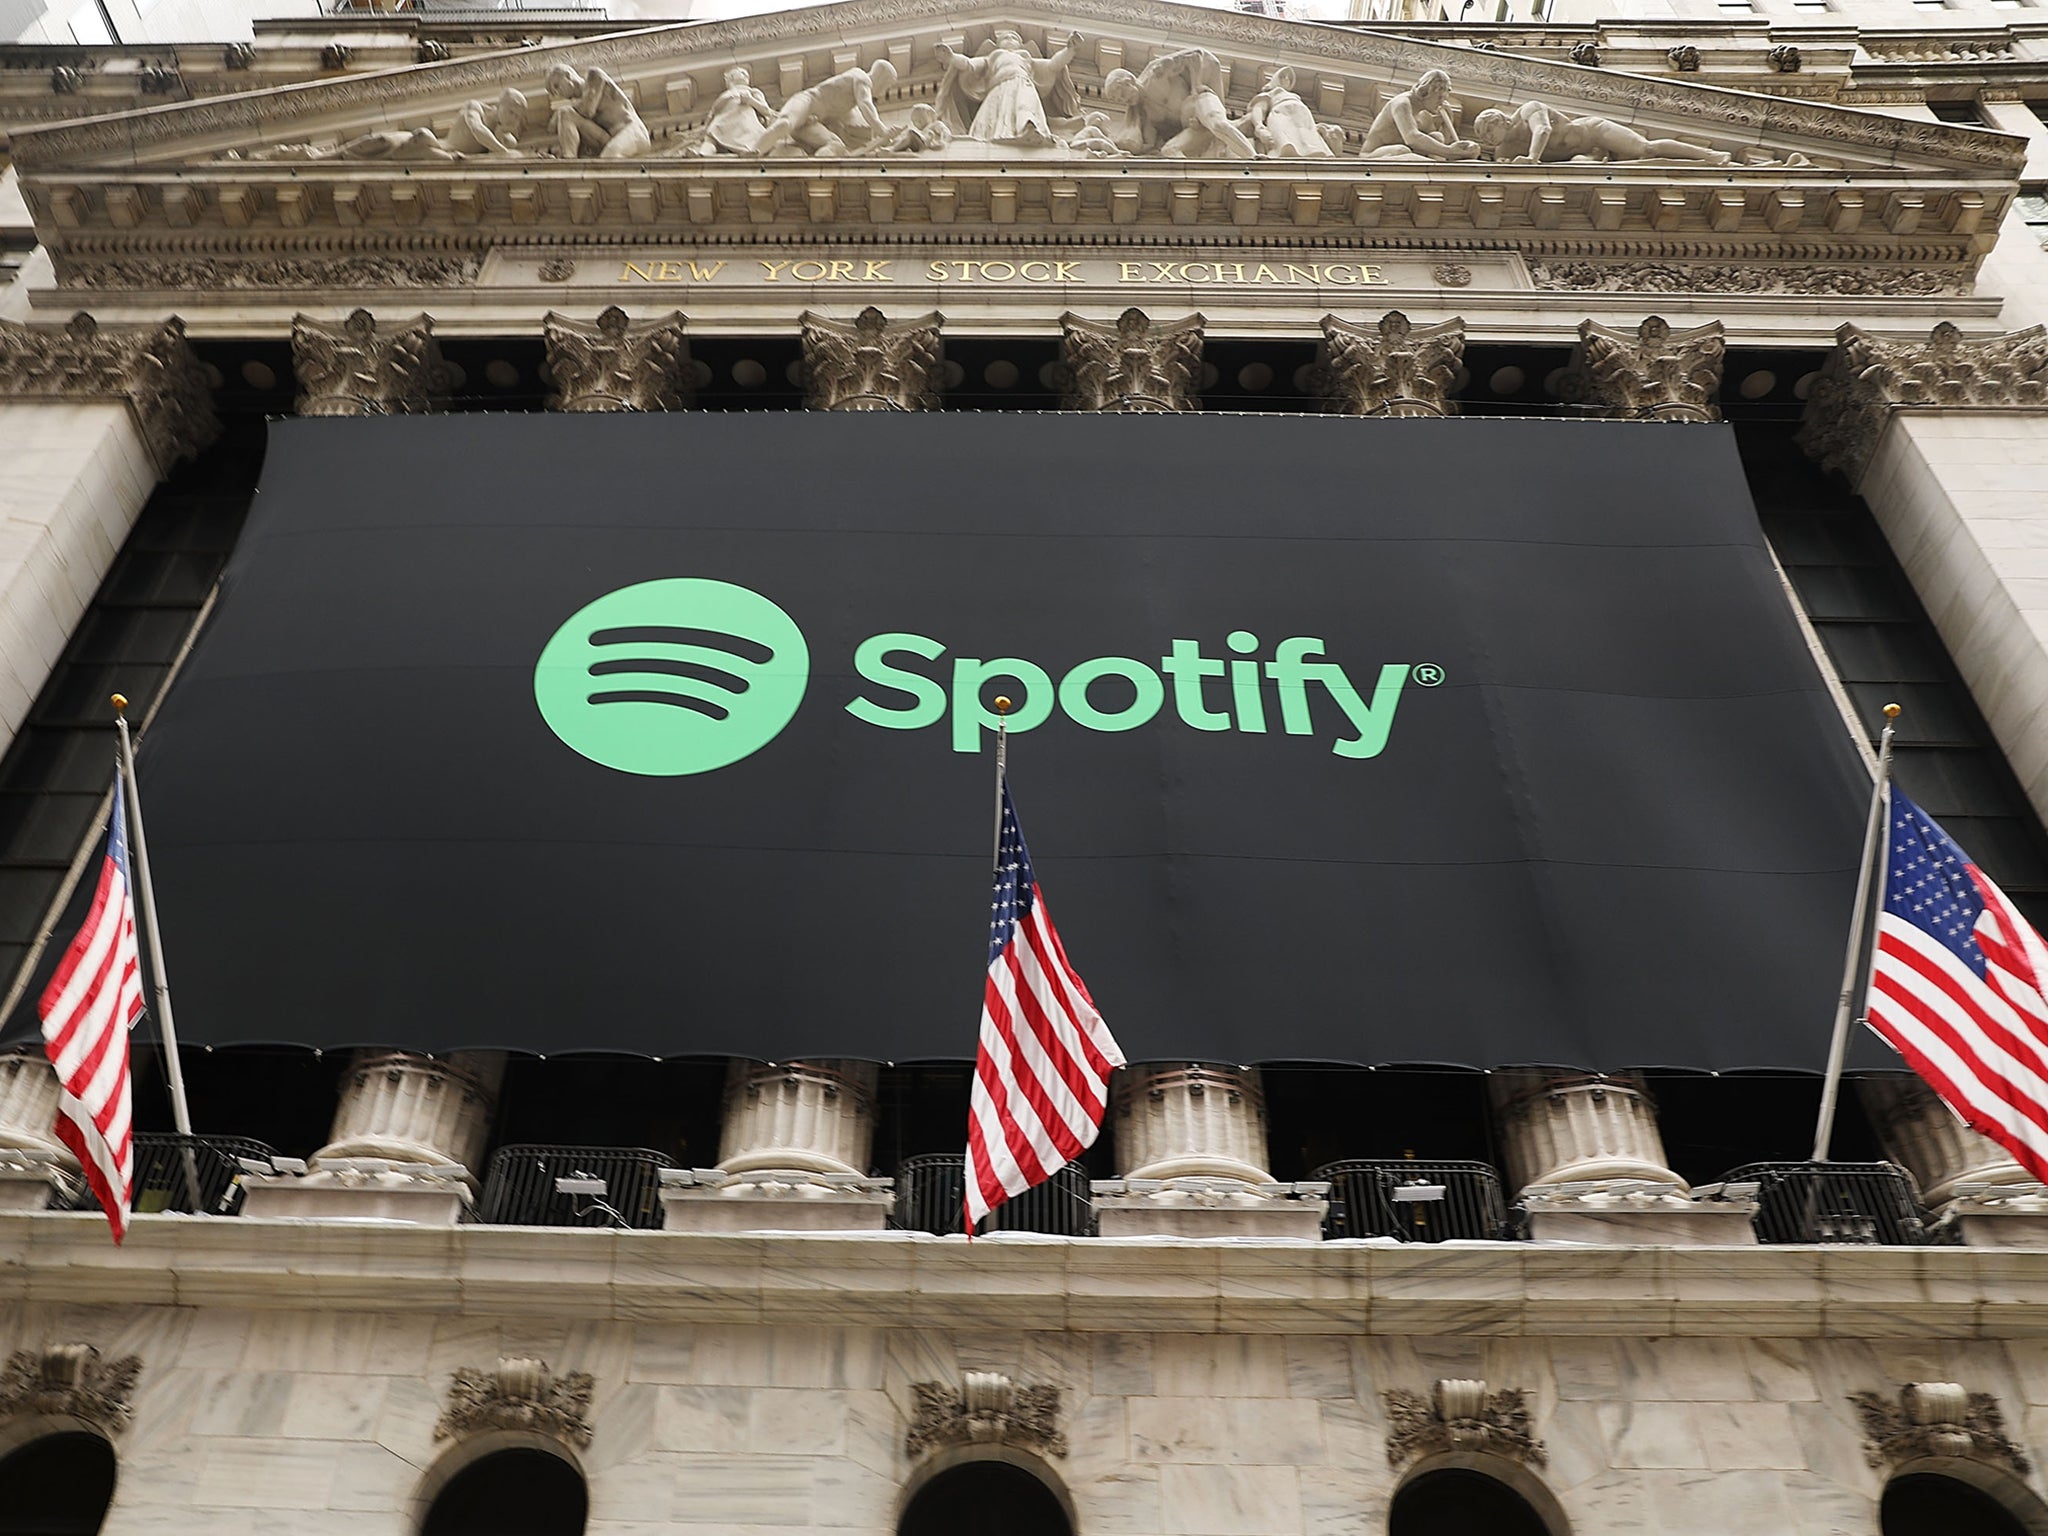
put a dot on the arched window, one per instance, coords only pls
(57, 1485)
(989, 1498)
(1929, 1504)
(1454, 1501)
(517, 1492)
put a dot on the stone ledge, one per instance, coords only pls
(1030, 1283)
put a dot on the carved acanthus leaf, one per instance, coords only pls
(1867, 376)
(987, 1409)
(1392, 369)
(202, 274)
(1686, 277)
(149, 366)
(1137, 364)
(70, 1381)
(874, 364)
(618, 364)
(1460, 1416)
(1654, 373)
(362, 368)
(1935, 1418)
(518, 1394)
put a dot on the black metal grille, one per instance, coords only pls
(200, 1174)
(520, 1188)
(1363, 1201)
(1860, 1203)
(931, 1195)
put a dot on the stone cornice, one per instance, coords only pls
(151, 367)
(267, 115)
(1029, 1284)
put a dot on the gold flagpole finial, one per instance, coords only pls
(1002, 703)
(1891, 711)
(120, 703)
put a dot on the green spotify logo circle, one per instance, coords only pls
(672, 677)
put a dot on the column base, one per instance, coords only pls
(773, 1200)
(364, 1190)
(1195, 1207)
(1635, 1213)
(2000, 1215)
(31, 1181)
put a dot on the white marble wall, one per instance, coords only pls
(324, 1422)
(72, 479)
(1963, 497)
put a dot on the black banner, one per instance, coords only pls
(1488, 741)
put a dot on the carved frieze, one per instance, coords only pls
(1136, 364)
(1935, 1418)
(1460, 1416)
(1651, 374)
(874, 364)
(150, 366)
(617, 364)
(519, 1394)
(987, 1409)
(360, 367)
(1866, 376)
(1394, 368)
(70, 1381)
(1728, 277)
(206, 274)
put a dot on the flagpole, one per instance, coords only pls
(1845, 1004)
(1002, 759)
(180, 1113)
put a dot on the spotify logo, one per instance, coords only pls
(672, 677)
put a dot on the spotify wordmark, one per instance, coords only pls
(686, 675)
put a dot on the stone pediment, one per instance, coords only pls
(411, 160)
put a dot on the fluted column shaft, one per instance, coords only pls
(1922, 1135)
(408, 1108)
(28, 1103)
(1190, 1121)
(799, 1117)
(1575, 1130)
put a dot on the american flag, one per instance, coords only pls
(1956, 985)
(87, 1010)
(1041, 1080)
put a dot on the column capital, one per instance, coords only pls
(365, 367)
(1393, 368)
(1652, 373)
(151, 367)
(873, 363)
(617, 363)
(1869, 376)
(1135, 363)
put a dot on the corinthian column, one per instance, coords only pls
(1191, 1158)
(1946, 1158)
(618, 364)
(874, 364)
(32, 1160)
(363, 367)
(1393, 368)
(1589, 1162)
(1652, 374)
(1137, 364)
(94, 416)
(793, 1154)
(407, 1142)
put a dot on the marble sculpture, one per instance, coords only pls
(1006, 95)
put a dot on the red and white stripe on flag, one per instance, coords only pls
(1041, 1078)
(1957, 986)
(87, 1010)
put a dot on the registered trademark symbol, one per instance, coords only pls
(1428, 674)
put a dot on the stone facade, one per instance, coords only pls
(778, 1357)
